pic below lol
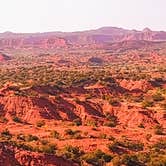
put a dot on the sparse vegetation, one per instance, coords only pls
(6, 134)
(96, 100)
(55, 134)
(134, 146)
(97, 158)
(17, 119)
(72, 153)
(147, 103)
(158, 129)
(77, 122)
(40, 123)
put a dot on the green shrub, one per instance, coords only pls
(110, 124)
(23, 146)
(3, 119)
(134, 146)
(48, 148)
(130, 160)
(113, 102)
(113, 146)
(71, 152)
(158, 129)
(55, 134)
(6, 134)
(160, 144)
(30, 138)
(97, 158)
(141, 125)
(21, 137)
(158, 97)
(103, 136)
(77, 122)
(70, 132)
(17, 119)
(73, 133)
(40, 123)
(159, 160)
(44, 142)
(111, 138)
(147, 103)
(112, 120)
(91, 123)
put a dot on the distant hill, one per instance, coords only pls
(66, 39)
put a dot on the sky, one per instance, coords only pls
(77, 15)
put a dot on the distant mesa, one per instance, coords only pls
(147, 30)
(63, 61)
(4, 57)
(97, 37)
(95, 60)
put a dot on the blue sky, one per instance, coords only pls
(75, 15)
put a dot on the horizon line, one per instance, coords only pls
(77, 31)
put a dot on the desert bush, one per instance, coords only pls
(48, 148)
(17, 119)
(130, 160)
(3, 119)
(113, 146)
(23, 146)
(103, 136)
(97, 158)
(158, 97)
(88, 96)
(113, 102)
(111, 138)
(40, 123)
(147, 103)
(158, 129)
(55, 134)
(110, 123)
(161, 144)
(72, 153)
(44, 142)
(30, 138)
(73, 133)
(141, 125)
(158, 160)
(112, 120)
(6, 134)
(77, 122)
(91, 123)
(163, 105)
(134, 146)
(21, 137)
(69, 132)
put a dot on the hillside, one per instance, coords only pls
(65, 39)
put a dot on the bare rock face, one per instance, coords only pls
(32, 109)
(32, 42)
(135, 85)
